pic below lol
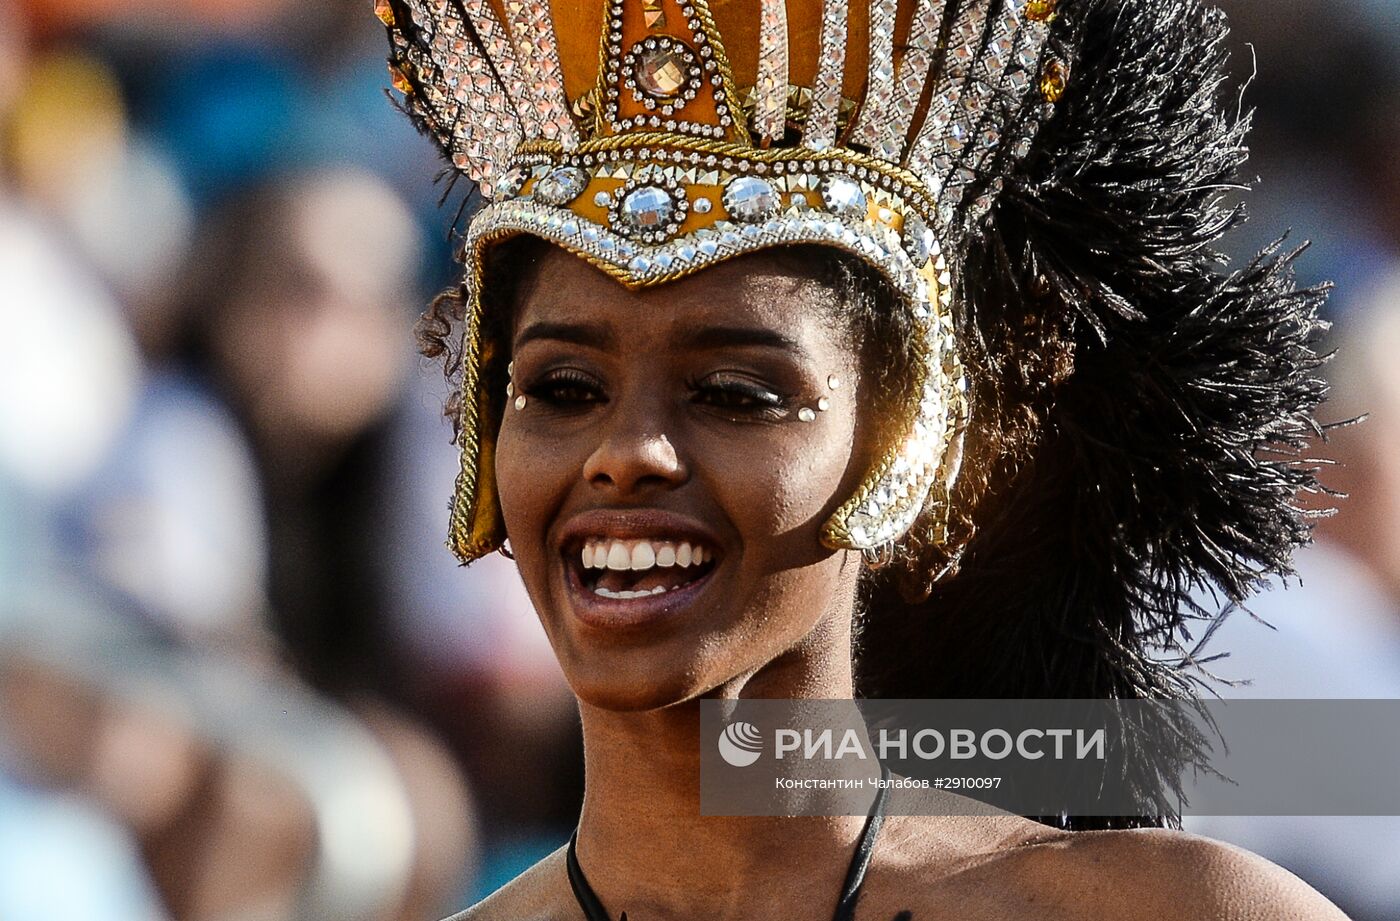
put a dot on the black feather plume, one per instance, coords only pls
(1140, 410)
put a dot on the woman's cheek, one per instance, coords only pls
(792, 484)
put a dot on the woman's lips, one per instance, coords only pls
(629, 582)
(625, 551)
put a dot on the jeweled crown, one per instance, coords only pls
(656, 137)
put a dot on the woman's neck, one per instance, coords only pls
(641, 830)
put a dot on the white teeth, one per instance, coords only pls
(618, 557)
(642, 554)
(640, 593)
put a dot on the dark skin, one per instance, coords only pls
(636, 424)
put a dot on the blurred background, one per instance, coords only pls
(240, 674)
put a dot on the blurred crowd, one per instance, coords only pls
(241, 676)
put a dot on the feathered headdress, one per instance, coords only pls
(1043, 181)
(657, 137)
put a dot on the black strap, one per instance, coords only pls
(865, 848)
(850, 892)
(587, 899)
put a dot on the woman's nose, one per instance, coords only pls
(634, 453)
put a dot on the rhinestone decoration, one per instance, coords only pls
(887, 134)
(620, 70)
(961, 54)
(648, 208)
(1041, 10)
(771, 87)
(919, 241)
(539, 55)
(702, 205)
(750, 199)
(843, 196)
(879, 85)
(400, 80)
(820, 130)
(496, 40)
(806, 414)
(950, 144)
(474, 117)
(1054, 80)
(893, 495)
(662, 72)
(603, 199)
(653, 14)
(561, 186)
(385, 12)
(509, 184)
(648, 212)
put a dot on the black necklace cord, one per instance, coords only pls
(865, 849)
(593, 908)
(587, 899)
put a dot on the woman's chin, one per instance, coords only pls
(631, 688)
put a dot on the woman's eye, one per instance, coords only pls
(566, 388)
(740, 397)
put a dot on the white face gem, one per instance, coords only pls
(750, 199)
(833, 381)
(702, 205)
(806, 414)
(603, 199)
(561, 186)
(823, 404)
(520, 402)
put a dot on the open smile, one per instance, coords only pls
(615, 582)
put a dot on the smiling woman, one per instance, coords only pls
(698, 455)
(811, 350)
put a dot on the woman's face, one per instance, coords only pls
(666, 427)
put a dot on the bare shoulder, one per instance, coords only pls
(998, 867)
(1168, 875)
(541, 893)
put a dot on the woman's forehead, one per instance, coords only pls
(762, 290)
